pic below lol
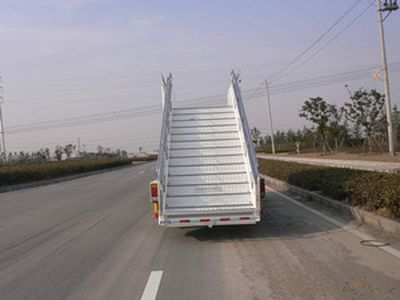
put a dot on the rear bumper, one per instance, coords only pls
(209, 221)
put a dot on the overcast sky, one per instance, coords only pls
(66, 59)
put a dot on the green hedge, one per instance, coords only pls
(15, 174)
(370, 190)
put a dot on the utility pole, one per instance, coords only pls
(3, 141)
(387, 7)
(79, 147)
(2, 131)
(270, 116)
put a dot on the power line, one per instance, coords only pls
(325, 33)
(324, 81)
(155, 109)
(335, 75)
(103, 117)
(326, 44)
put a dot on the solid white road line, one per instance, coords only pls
(141, 172)
(153, 283)
(361, 235)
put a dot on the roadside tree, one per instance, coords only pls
(319, 112)
(68, 149)
(366, 110)
(58, 152)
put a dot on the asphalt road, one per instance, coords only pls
(93, 238)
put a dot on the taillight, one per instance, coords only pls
(155, 210)
(154, 190)
(154, 198)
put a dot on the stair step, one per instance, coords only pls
(208, 179)
(195, 190)
(205, 136)
(205, 144)
(206, 201)
(205, 116)
(206, 167)
(205, 132)
(207, 160)
(205, 151)
(213, 169)
(205, 123)
(202, 110)
(194, 130)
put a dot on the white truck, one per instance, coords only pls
(207, 171)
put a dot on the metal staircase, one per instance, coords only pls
(207, 163)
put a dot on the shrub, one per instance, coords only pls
(370, 190)
(15, 174)
(375, 191)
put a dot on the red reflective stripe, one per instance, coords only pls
(184, 221)
(244, 218)
(205, 220)
(225, 219)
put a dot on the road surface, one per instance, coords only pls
(379, 166)
(93, 238)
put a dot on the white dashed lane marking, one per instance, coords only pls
(152, 286)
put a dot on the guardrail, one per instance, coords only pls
(238, 105)
(166, 90)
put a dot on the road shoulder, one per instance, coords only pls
(378, 233)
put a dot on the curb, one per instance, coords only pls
(16, 187)
(359, 214)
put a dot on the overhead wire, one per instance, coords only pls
(155, 109)
(327, 43)
(320, 38)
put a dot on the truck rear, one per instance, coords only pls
(207, 171)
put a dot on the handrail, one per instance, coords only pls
(238, 105)
(166, 90)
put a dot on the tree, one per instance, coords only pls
(319, 112)
(337, 129)
(365, 109)
(291, 137)
(100, 150)
(68, 149)
(58, 152)
(43, 154)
